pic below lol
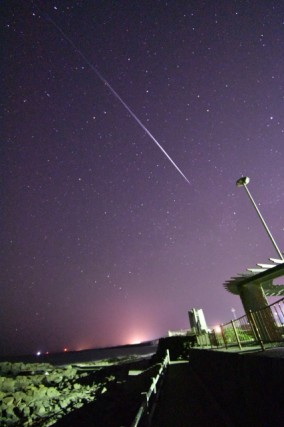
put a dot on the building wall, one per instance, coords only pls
(197, 320)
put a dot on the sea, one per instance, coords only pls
(143, 350)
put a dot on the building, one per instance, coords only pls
(253, 287)
(197, 320)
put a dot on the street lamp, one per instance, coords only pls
(243, 182)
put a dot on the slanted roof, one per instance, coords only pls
(264, 274)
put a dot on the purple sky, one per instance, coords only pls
(103, 241)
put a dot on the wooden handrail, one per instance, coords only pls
(153, 389)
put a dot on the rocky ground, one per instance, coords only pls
(40, 394)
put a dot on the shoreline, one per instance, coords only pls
(41, 393)
(69, 357)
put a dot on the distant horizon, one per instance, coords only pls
(45, 357)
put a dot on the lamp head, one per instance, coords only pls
(242, 181)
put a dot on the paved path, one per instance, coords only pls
(185, 402)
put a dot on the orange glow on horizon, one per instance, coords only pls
(136, 339)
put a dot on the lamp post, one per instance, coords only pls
(243, 182)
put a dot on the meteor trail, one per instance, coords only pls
(113, 91)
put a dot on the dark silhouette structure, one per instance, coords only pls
(253, 287)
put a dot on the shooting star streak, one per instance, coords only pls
(113, 91)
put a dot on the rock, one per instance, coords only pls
(19, 396)
(78, 405)
(64, 403)
(77, 386)
(70, 372)
(22, 410)
(41, 392)
(31, 390)
(8, 401)
(36, 379)
(17, 367)
(10, 413)
(40, 410)
(52, 393)
(53, 378)
(56, 408)
(21, 383)
(5, 367)
(8, 385)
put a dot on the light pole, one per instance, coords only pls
(243, 182)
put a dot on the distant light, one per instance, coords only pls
(38, 353)
(242, 181)
(65, 349)
(135, 341)
(217, 329)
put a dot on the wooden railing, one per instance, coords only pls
(149, 397)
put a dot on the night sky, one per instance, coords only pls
(103, 241)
